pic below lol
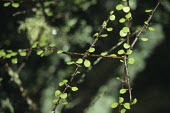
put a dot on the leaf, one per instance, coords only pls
(112, 17)
(146, 23)
(70, 63)
(122, 91)
(92, 49)
(57, 92)
(63, 96)
(55, 101)
(151, 28)
(119, 7)
(96, 35)
(7, 4)
(39, 52)
(65, 103)
(61, 83)
(8, 56)
(14, 53)
(59, 51)
(109, 29)
(65, 81)
(129, 51)
(113, 55)
(2, 53)
(121, 99)
(134, 101)
(126, 29)
(87, 63)
(120, 52)
(111, 12)
(114, 105)
(122, 110)
(144, 39)
(103, 35)
(52, 45)
(122, 20)
(14, 60)
(131, 60)
(126, 9)
(22, 53)
(35, 44)
(126, 105)
(128, 15)
(148, 10)
(79, 61)
(15, 5)
(74, 88)
(104, 53)
(122, 34)
(126, 46)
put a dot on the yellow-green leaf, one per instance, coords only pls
(122, 20)
(104, 53)
(79, 61)
(120, 52)
(59, 51)
(92, 49)
(131, 60)
(57, 92)
(22, 53)
(126, 9)
(112, 17)
(15, 5)
(122, 34)
(63, 96)
(14, 60)
(122, 110)
(144, 39)
(103, 35)
(134, 101)
(119, 7)
(87, 63)
(109, 29)
(121, 99)
(74, 88)
(126, 46)
(128, 15)
(122, 91)
(7, 4)
(126, 105)
(114, 105)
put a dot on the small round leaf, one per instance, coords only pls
(22, 53)
(122, 91)
(63, 96)
(7, 4)
(122, 34)
(109, 29)
(14, 60)
(131, 60)
(103, 35)
(126, 105)
(144, 39)
(114, 105)
(112, 17)
(74, 88)
(15, 5)
(87, 63)
(126, 9)
(121, 99)
(104, 53)
(126, 46)
(122, 110)
(120, 52)
(122, 20)
(92, 49)
(119, 7)
(57, 92)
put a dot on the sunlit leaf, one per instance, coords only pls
(7, 4)
(55, 101)
(63, 96)
(57, 92)
(92, 49)
(109, 29)
(111, 12)
(61, 83)
(148, 10)
(112, 17)
(104, 53)
(96, 35)
(151, 28)
(15, 5)
(122, 20)
(22, 53)
(113, 55)
(131, 60)
(70, 63)
(128, 15)
(125, 29)
(52, 45)
(87, 63)
(114, 105)
(134, 101)
(103, 35)
(65, 81)
(122, 110)
(2, 53)
(65, 103)
(59, 51)
(122, 34)
(126, 105)
(120, 52)
(122, 91)
(126, 46)
(74, 88)
(129, 51)
(79, 61)
(121, 99)
(119, 7)
(144, 39)
(126, 9)
(14, 60)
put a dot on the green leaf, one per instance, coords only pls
(14, 60)
(22, 53)
(129, 51)
(39, 52)
(122, 110)
(74, 88)
(126, 9)
(55, 101)
(112, 17)
(57, 92)
(111, 12)
(128, 15)
(79, 61)
(109, 29)
(59, 51)
(70, 63)
(14, 53)
(120, 52)
(2, 53)
(8, 56)
(114, 105)
(144, 39)
(151, 28)
(122, 34)
(148, 10)
(121, 99)
(122, 20)
(63, 96)
(113, 55)
(35, 44)
(122, 91)
(126, 46)
(126, 105)
(103, 35)
(65, 81)
(7, 4)
(96, 35)
(146, 23)
(131, 60)
(91, 50)
(65, 103)
(134, 101)
(15, 5)
(87, 63)
(126, 29)
(61, 83)
(52, 45)
(104, 53)
(119, 7)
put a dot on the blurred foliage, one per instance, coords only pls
(69, 25)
